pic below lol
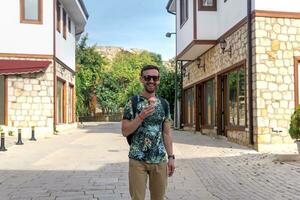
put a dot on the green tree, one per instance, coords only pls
(294, 129)
(167, 86)
(88, 66)
(123, 78)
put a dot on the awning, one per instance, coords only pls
(22, 66)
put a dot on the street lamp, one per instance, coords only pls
(168, 34)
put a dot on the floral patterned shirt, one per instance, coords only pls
(147, 142)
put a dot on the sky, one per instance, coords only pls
(131, 24)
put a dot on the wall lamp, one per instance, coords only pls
(200, 64)
(185, 73)
(168, 34)
(223, 45)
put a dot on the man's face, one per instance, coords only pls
(150, 80)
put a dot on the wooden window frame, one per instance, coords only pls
(30, 21)
(207, 8)
(5, 101)
(71, 88)
(69, 25)
(58, 16)
(296, 77)
(238, 126)
(64, 24)
(184, 16)
(64, 100)
(186, 102)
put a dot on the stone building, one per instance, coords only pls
(217, 41)
(37, 64)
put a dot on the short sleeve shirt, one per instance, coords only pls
(147, 142)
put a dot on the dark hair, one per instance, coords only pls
(148, 67)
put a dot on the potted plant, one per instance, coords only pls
(294, 129)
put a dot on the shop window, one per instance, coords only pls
(297, 84)
(236, 98)
(189, 107)
(61, 101)
(71, 104)
(209, 103)
(2, 101)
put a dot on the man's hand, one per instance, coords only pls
(171, 167)
(147, 111)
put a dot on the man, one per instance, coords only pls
(151, 151)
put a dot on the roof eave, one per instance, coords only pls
(169, 9)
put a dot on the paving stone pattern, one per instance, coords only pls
(91, 163)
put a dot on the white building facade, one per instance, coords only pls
(37, 64)
(217, 41)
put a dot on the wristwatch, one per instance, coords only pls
(171, 157)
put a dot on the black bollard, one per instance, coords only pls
(32, 134)
(2, 148)
(19, 138)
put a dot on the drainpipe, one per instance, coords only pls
(176, 96)
(250, 63)
(54, 66)
(181, 96)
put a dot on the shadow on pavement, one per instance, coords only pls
(244, 177)
(183, 137)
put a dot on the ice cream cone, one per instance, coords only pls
(152, 101)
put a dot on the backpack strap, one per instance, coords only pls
(164, 104)
(134, 101)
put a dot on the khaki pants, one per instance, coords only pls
(138, 174)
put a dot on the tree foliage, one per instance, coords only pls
(114, 82)
(123, 76)
(88, 75)
(294, 129)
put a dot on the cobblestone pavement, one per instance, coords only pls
(91, 164)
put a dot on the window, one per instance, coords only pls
(189, 107)
(208, 5)
(236, 98)
(58, 16)
(31, 11)
(61, 101)
(297, 82)
(64, 24)
(69, 25)
(2, 100)
(209, 103)
(71, 104)
(184, 14)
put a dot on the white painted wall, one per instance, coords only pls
(229, 14)
(207, 25)
(278, 5)
(212, 24)
(65, 48)
(186, 33)
(22, 38)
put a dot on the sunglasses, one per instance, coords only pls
(148, 78)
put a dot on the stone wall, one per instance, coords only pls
(216, 62)
(277, 41)
(69, 77)
(30, 102)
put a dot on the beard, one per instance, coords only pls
(150, 87)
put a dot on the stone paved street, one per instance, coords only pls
(91, 163)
